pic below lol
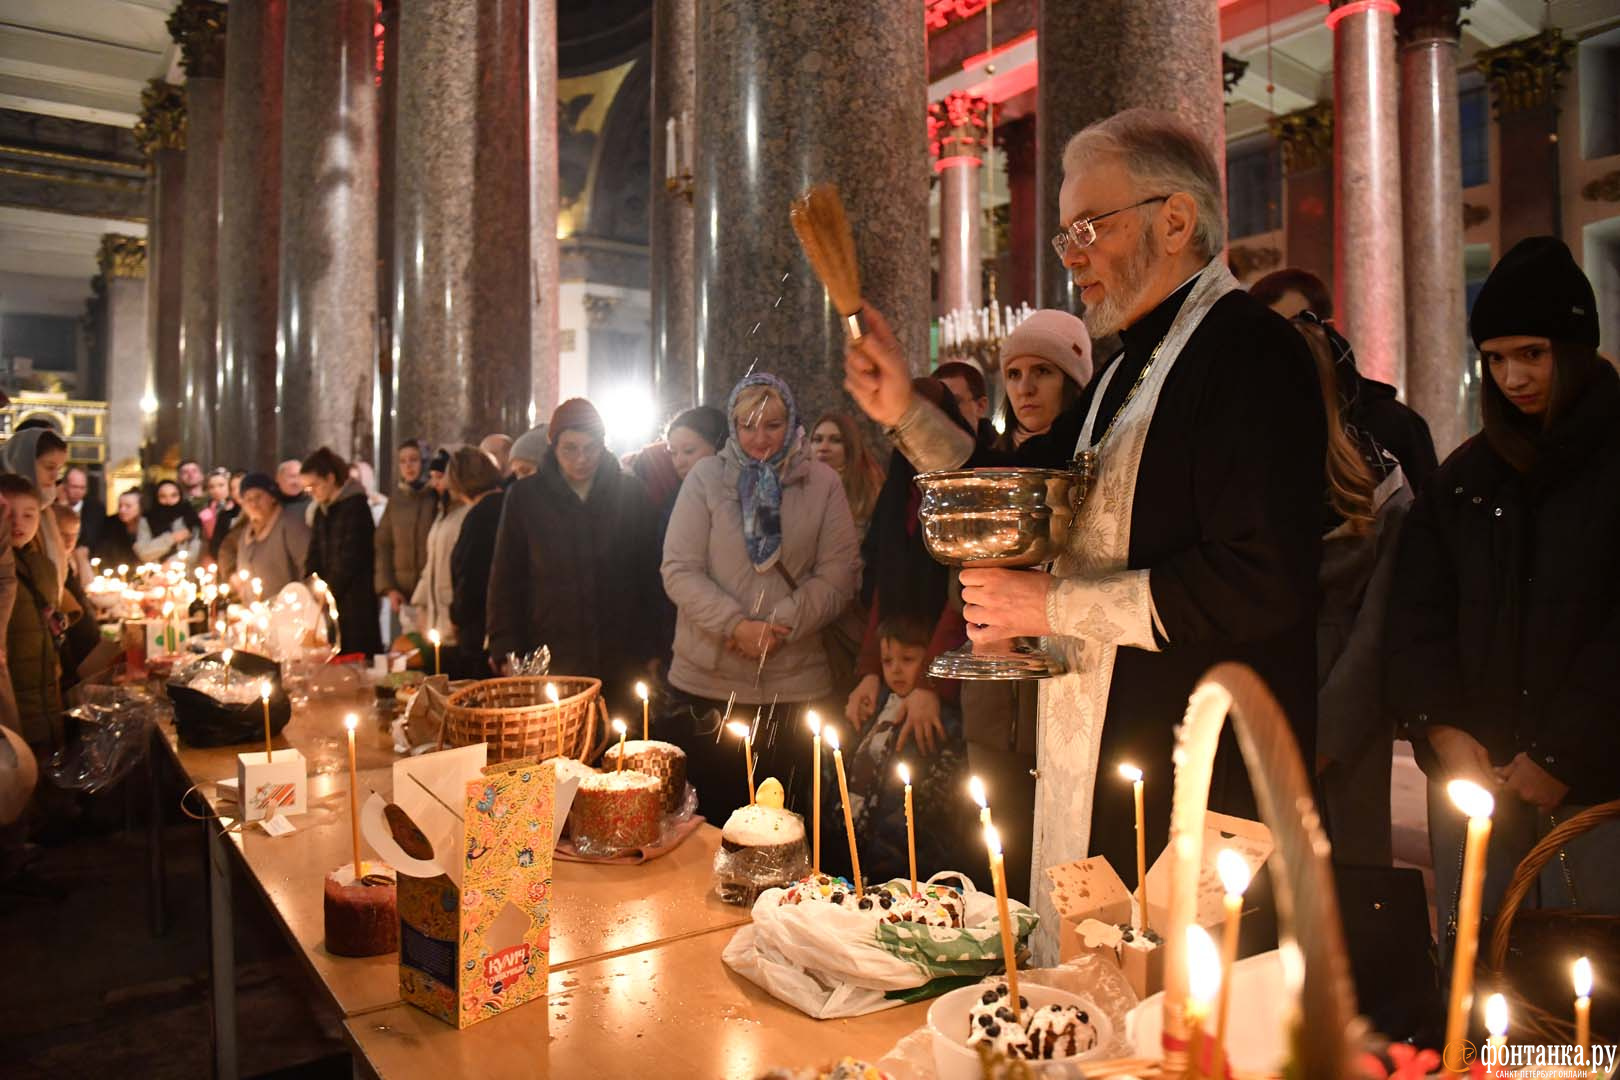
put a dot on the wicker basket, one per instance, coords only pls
(516, 719)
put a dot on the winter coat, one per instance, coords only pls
(342, 553)
(469, 577)
(708, 575)
(31, 650)
(161, 545)
(578, 576)
(8, 599)
(435, 590)
(1505, 618)
(277, 559)
(402, 537)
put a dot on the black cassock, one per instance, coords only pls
(1227, 518)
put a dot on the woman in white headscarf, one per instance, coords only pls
(40, 454)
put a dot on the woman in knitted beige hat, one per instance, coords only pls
(1045, 367)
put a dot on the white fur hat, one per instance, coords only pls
(1054, 336)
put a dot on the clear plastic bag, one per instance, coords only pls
(743, 871)
(112, 732)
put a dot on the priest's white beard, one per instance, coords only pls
(1108, 317)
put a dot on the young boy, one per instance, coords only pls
(31, 633)
(938, 781)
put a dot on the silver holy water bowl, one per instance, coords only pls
(1008, 518)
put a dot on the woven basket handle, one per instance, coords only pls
(1530, 868)
(589, 748)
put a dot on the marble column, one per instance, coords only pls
(1525, 78)
(1306, 138)
(387, 262)
(1097, 59)
(249, 236)
(198, 27)
(671, 279)
(461, 219)
(957, 129)
(161, 135)
(545, 258)
(791, 93)
(1025, 247)
(328, 310)
(1369, 283)
(122, 260)
(1431, 184)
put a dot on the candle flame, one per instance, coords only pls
(992, 839)
(1203, 965)
(226, 656)
(1471, 799)
(264, 691)
(551, 692)
(1131, 773)
(351, 721)
(1234, 871)
(1583, 977)
(813, 721)
(433, 636)
(641, 691)
(738, 728)
(619, 728)
(905, 774)
(832, 739)
(976, 789)
(1496, 1015)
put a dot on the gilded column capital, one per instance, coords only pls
(1430, 20)
(122, 256)
(1526, 74)
(957, 126)
(162, 125)
(1306, 137)
(198, 27)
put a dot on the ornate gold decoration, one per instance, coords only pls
(122, 256)
(1247, 260)
(1232, 70)
(957, 125)
(1475, 215)
(1605, 188)
(198, 27)
(1306, 137)
(162, 125)
(1526, 74)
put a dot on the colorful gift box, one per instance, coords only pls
(474, 937)
(279, 785)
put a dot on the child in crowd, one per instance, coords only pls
(876, 795)
(36, 624)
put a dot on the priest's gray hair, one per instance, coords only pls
(1163, 155)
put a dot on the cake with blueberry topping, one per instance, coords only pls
(1056, 1031)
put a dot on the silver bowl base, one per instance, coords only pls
(1022, 661)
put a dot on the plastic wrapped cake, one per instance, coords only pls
(761, 847)
(615, 812)
(663, 760)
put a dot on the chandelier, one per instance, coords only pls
(975, 334)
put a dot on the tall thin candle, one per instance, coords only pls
(911, 827)
(264, 698)
(556, 713)
(646, 702)
(1477, 804)
(227, 656)
(1234, 872)
(1496, 1023)
(1134, 775)
(1009, 945)
(849, 819)
(350, 722)
(618, 725)
(814, 721)
(435, 638)
(740, 729)
(1582, 975)
(1203, 984)
(976, 789)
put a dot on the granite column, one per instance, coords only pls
(1525, 78)
(956, 129)
(198, 27)
(1097, 59)
(674, 308)
(545, 258)
(1306, 138)
(1431, 183)
(122, 261)
(249, 235)
(387, 261)
(1369, 282)
(790, 95)
(328, 307)
(462, 220)
(161, 135)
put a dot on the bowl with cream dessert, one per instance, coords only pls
(1051, 1031)
(761, 847)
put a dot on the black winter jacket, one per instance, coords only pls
(470, 562)
(340, 550)
(1504, 615)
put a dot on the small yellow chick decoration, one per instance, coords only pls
(770, 793)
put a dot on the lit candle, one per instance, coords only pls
(1582, 973)
(1477, 804)
(1203, 985)
(168, 624)
(1234, 872)
(1009, 945)
(618, 725)
(911, 827)
(433, 636)
(226, 656)
(258, 589)
(264, 697)
(351, 722)
(646, 702)
(740, 729)
(556, 713)
(1496, 1022)
(814, 721)
(849, 819)
(976, 789)
(123, 571)
(1134, 775)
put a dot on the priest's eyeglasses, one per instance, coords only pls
(1083, 233)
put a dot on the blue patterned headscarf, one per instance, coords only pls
(759, 488)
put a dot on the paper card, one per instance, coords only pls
(1251, 839)
(279, 785)
(430, 788)
(277, 825)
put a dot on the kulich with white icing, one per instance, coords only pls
(615, 812)
(663, 760)
(761, 847)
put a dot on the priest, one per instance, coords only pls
(1199, 540)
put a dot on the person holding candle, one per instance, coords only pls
(341, 549)
(273, 541)
(1502, 644)
(760, 556)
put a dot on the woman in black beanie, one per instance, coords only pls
(1502, 646)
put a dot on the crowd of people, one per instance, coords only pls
(1263, 501)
